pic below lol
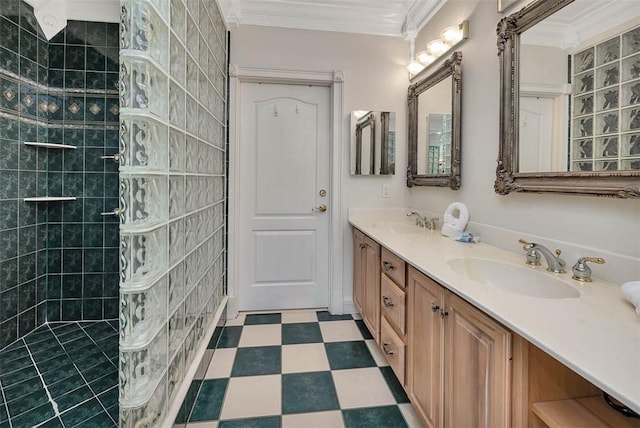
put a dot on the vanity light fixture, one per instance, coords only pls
(450, 37)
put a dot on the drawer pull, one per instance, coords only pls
(386, 351)
(434, 307)
(387, 302)
(387, 267)
(444, 314)
(363, 246)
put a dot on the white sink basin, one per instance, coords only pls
(398, 227)
(513, 278)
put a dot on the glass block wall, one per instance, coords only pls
(172, 195)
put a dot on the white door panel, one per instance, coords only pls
(284, 163)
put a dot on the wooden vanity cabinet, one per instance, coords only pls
(366, 281)
(458, 359)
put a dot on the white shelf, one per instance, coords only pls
(50, 199)
(49, 145)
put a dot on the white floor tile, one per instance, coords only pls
(361, 388)
(290, 317)
(340, 331)
(308, 357)
(252, 396)
(261, 335)
(313, 420)
(377, 354)
(221, 363)
(239, 320)
(410, 415)
(210, 424)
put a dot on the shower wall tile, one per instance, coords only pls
(23, 63)
(172, 144)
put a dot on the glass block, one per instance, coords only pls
(218, 188)
(582, 166)
(585, 82)
(607, 147)
(607, 123)
(176, 286)
(162, 6)
(582, 149)
(144, 200)
(608, 75)
(176, 241)
(217, 163)
(178, 16)
(141, 370)
(189, 347)
(608, 51)
(148, 32)
(631, 119)
(607, 99)
(630, 164)
(192, 115)
(583, 127)
(142, 313)
(606, 165)
(191, 232)
(177, 59)
(176, 105)
(631, 42)
(630, 145)
(176, 373)
(193, 36)
(176, 196)
(191, 267)
(143, 143)
(583, 105)
(143, 257)
(631, 68)
(177, 144)
(143, 86)
(176, 330)
(583, 61)
(148, 414)
(631, 93)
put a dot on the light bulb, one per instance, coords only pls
(451, 35)
(425, 58)
(436, 47)
(414, 67)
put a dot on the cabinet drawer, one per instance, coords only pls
(393, 348)
(393, 304)
(393, 266)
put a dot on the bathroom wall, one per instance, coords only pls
(172, 195)
(375, 78)
(601, 227)
(23, 86)
(83, 111)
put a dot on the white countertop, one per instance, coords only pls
(597, 334)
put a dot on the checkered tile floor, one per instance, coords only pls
(299, 369)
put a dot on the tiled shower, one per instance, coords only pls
(115, 273)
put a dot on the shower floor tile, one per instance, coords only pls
(321, 370)
(68, 364)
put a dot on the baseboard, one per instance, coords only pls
(348, 307)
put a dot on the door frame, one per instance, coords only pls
(334, 80)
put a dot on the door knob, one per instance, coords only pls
(322, 208)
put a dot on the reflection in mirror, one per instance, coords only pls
(570, 80)
(373, 142)
(434, 127)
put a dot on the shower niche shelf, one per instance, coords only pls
(51, 199)
(50, 145)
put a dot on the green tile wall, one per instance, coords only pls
(58, 261)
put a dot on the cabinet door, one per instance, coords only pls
(477, 353)
(358, 261)
(371, 276)
(425, 347)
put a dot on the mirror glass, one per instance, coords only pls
(373, 142)
(434, 129)
(579, 90)
(434, 117)
(574, 67)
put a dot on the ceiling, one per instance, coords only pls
(399, 18)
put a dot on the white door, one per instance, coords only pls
(536, 134)
(283, 178)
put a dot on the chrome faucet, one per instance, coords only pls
(554, 262)
(421, 220)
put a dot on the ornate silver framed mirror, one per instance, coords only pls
(434, 105)
(570, 99)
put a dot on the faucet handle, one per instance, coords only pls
(533, 255)
(582, 271)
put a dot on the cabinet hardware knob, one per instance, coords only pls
(384, 348)
(386, 266)
(444, 314)
(434, 307)
(387, 302)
